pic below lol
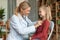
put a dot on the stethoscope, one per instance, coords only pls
(24, 17)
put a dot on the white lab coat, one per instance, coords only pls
(19, 29)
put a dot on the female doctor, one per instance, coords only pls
(20, 25)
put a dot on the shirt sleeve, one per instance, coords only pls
(15, 24)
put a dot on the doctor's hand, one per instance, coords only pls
(38, 24)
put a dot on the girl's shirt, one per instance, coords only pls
(42, 31)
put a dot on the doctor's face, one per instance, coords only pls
(27, 11)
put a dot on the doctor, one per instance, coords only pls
(20, 25)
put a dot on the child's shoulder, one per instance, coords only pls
(46, 21)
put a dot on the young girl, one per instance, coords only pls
(42, 31)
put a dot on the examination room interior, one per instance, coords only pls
(7, 8)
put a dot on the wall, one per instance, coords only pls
(34, 11)
(18, 2)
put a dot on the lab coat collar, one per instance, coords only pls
(21, 18)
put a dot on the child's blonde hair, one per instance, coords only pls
(47, 9)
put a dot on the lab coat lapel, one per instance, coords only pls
(21, 19)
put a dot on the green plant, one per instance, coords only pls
(0, 32)
(2, 13)
(1, 18)
(58, 22)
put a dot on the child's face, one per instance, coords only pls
(42, 12)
